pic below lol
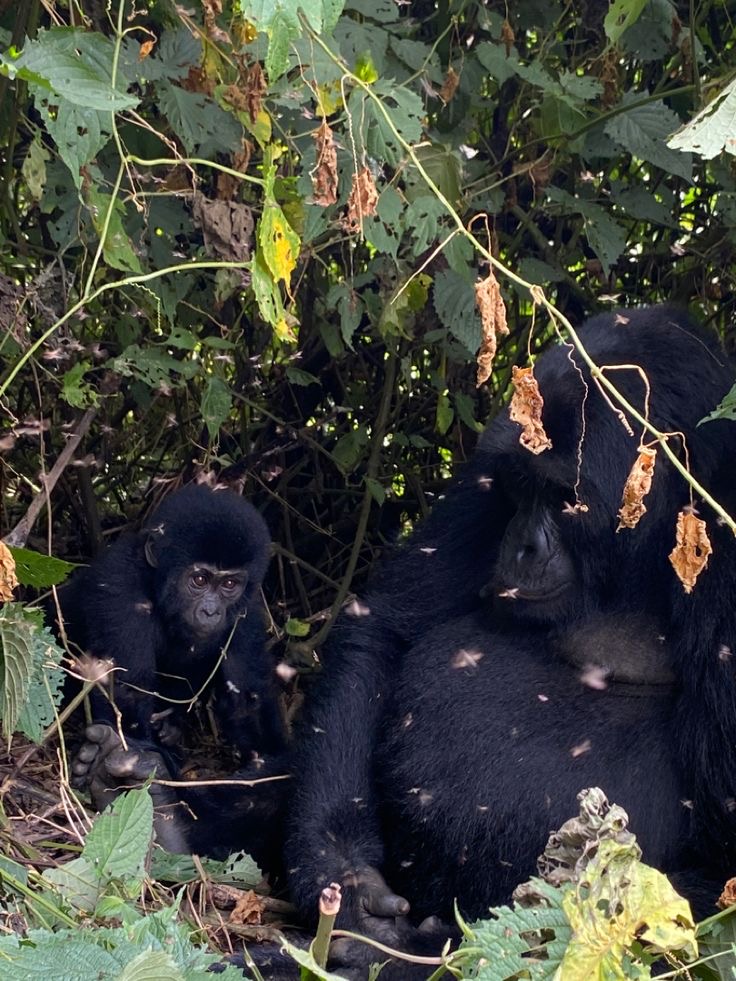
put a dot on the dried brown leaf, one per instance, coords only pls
(362, 201)
(492, 311)
(146, 49)
(692, 548)
(728, 896)
(255, 89)
(227, 227)
(248, 909)
(324, 176)
(8, 578)
(507, 36)
(526, 409)
(637, 486)
(449, 86)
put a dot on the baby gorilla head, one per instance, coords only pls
(208, 554)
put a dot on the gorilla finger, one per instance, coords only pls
(432, 925)
(87, 752)
(386, 903)
(100, 732)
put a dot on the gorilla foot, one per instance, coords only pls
(105, 768)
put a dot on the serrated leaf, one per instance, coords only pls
(39, 571)
(78, 131)
(74, 391)
(75, 64)
(118, 843)
(605, 236)
(726, 409)
(216, 403)
(77, 882)
(712, 130)
(643, 130)
(18, 634)
(422, 218)
(198, 120)
(281, 31)
(454, 301)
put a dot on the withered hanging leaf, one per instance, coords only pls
(212, 9)
(249, 909)
(146, 49)
(449, 86)
(728, 896)
(8, 578)
(526, 409)
(255, 89)
(692, 549)
(324, 176)
(492, 311)
(637, 486)
(507, 36)
(362, 201)
(227, 227)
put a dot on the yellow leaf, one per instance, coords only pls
(622, 901)
(329, 98)
(279, 242)
(260, 129)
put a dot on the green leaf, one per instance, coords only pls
(39, 571)
(605, 236)
(278, 241)
(117, 247)
(78, 132)
(712, 130)
(445, 413)
(118, 843)
(77, 882)
(75, 64)
(19, 636)
(297, 376)
(422, 218)
(74, 391)
(151, 965)
(34, 167)
(198, 120)
(297, 628)
(621, 15)
(266, 291)
(643, 132)
(216, 403)
(348, 451)
(376, 489)
(726, 409)
(281, 31)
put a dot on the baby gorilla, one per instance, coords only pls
(176, 607)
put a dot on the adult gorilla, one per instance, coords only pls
(518, 649)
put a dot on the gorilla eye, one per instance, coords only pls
(230, 584)
(198, 579)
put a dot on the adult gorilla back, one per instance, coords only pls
(518, 649)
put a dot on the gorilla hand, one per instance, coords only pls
(105, 768)
(370, 907)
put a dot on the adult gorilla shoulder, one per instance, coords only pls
(163, 604)
(518, 649)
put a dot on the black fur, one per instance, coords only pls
(452, 732)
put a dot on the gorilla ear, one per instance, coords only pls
(151, 556)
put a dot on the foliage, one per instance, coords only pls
(31, 679)
(103, 881)
(180, 258)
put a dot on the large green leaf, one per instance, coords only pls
(643, 130)
(712, 130)
(75, 64)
